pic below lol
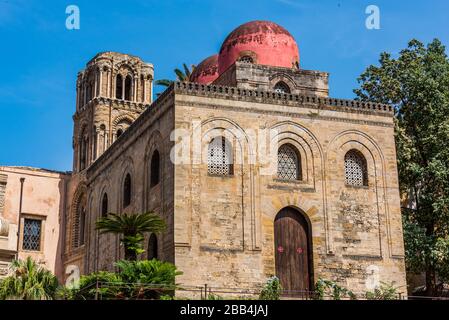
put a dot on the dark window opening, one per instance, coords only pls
(128, 88)
(119, 133)
(119, 87)
(127, 191)
(152, 247)
(281, 87)
(155, 169)
(82, 227)
(104, 206)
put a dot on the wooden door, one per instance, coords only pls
(292, 249)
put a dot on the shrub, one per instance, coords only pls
(384, 292)
(28, 281)
(271, 290)
(330, 288)
(146, 279)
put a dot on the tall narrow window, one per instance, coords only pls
(289, 164)
(104, 206)
(155, 169)
(82, 226)
(79, 225)
(127, 191)
(119, 87)
(281, 87)
(32, 235)
(83, 150)
(152, 247)
(219, 156)
(356, 173)
(128, 87)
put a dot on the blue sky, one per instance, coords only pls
(40, 57)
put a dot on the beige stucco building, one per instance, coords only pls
(256, 170)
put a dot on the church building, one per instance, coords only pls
(255, 169)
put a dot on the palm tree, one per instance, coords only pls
(180, 76)
(28, 281)
(132, 227)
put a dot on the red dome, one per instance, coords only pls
(264, 42)
(207, 71)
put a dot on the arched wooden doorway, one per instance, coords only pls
(293, 253)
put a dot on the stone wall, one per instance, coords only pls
(229, 241)
(132, 153)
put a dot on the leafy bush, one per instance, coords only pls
(28, 281)
(330, 288)
(146, 279)
(271, 290)
(384, 292)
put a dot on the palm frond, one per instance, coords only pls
(163, 82)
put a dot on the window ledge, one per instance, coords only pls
(228, 176)
(356, 187)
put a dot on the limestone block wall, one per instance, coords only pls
(260, 77)
(131, 153)
(223, 226)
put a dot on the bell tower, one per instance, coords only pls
(111, 92)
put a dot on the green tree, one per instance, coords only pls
(180, 76)
(28, 281)
(417, 84)
(132, 227)
(147, 279)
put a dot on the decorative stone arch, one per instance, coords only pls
(154, 143)
(234, 133)
(282, 77)
(127, 166)
(121, 123)
(307, 145)
(248, 53)
(200, 136)
(79, 200)
(313, 166)
(104, 190)
(376, 169)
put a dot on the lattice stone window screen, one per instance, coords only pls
(219, 157)
(289, 164)
(246, 59)
(356, 173)
(32, 235)
(281, 87)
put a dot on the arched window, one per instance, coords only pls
(119, 133)
(356, 173)
(83, 150)
(127, 191)
(289, 163)
(155, 169)
(119, 87)
(104, 206)
(246, 59)
(219, 157)
(128, 87)
(79, 223)
(281, 87)
(152, 247)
